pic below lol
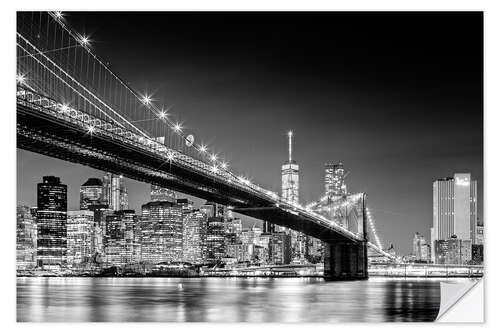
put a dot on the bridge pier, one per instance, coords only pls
(346, 261)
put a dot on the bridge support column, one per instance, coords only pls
(346, 261)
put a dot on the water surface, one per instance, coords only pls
(226, 299)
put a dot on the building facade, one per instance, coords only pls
(114, 192)
(454, 210)
(215, 239)
(194, 247)
(122, 244)
(159, 193)
(161, 232)
(91, 193)
(51, 215)
(80, 233)
(334, 180)
(26, 234)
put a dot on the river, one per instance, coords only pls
(75, 299)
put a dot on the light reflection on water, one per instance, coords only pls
(226, 299)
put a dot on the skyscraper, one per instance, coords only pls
(161, 232)
(51, 213)
(454, 210)
(334, 180)
(121, 240)
(215, 239)
(159, 193)
(80, 231)
(114, 192)
(290, 176)
(420, 248)
(194, 237)
(25, 239)
(290, 193)
(91, 193)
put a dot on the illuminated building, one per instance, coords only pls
(334, 180)
(25, 239)
(80, 231)
(194, 237)
(122, 238)
(479, 234)
(161, 232)
(159, 193)
(212, 209)
(421, 249)
(290, 176)
(290, 193)
(477, 254)
(215, 238)
(280, 248)
(186, 205)
(51, 223)
(459, 251)
(454, 209)
(233, 226)
(114, 192)
(91, 193)
(314, 250)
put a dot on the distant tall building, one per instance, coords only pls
(25, 239)
(161, 232)
(290, 193)
(280, 249)
(80, 231)
(290, 176)
(114, 192)
(159, 193)
(91, 193)
(454, 210)
(194, 247)
(334, 180)
(421, 249)
(215, 239)
(212, 209)
(52, 199)
(122, 238)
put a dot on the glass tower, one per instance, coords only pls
(334, 180)
(51, 223)
(454, 210)
(161, 232)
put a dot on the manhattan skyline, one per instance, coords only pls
(398, 107)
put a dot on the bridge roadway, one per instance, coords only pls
(47, 127)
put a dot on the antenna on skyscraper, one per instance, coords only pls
(290, 134)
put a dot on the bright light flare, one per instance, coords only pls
(203, 148)
(215, 169)
(65, 107)
(146, 99)
(170, 156)
(20, 78)
(58, 15)
(224, 165)
(85, 40)
(213, 157)
(91, 129)
(177, 128)
(162, 114)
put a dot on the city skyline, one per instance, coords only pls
(399, 159)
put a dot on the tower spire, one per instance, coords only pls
(290, 134)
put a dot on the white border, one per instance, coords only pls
(7, 132)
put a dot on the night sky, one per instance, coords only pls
(396, 97)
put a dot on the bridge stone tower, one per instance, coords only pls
(346, 260)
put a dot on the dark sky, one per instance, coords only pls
(396, 97)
